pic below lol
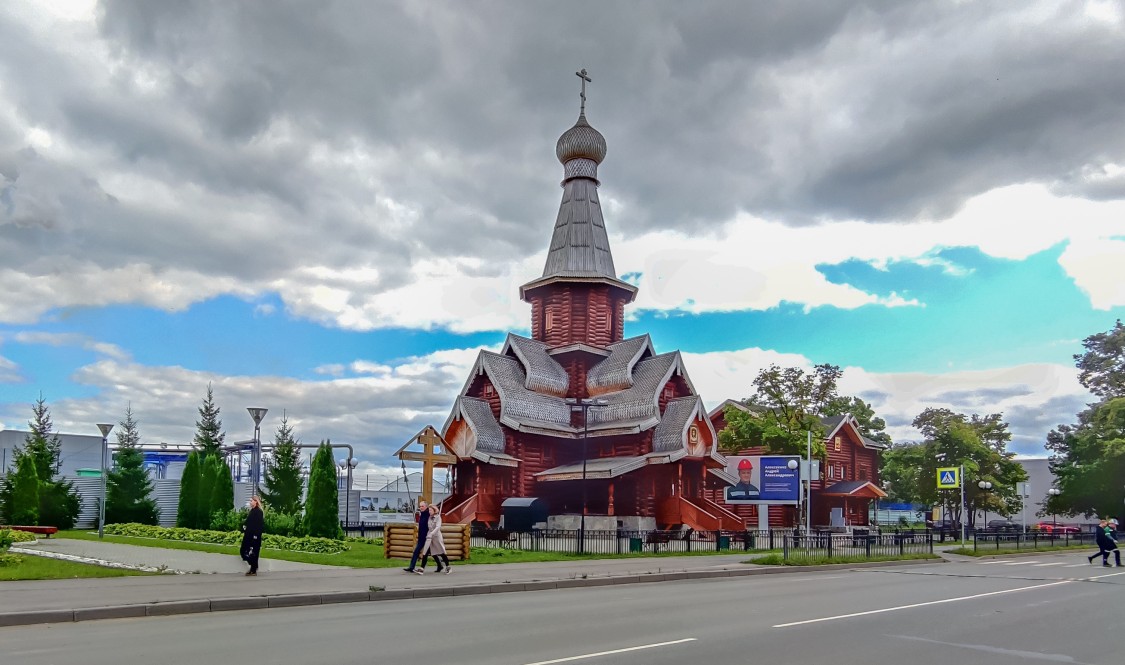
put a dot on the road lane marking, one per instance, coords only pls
(1057, 563)
(988, 563)
(1021, 563)
(608, 653)
(1098, 577)
(1078, 565)
(932, 602)
(1035, 655)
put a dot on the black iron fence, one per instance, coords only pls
(621, 541)
(858, 544)
(1006, 540)
(364, 529)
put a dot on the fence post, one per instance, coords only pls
(829, 536)
(974, 541)
(784, 547)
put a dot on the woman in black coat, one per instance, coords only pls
(252, 535)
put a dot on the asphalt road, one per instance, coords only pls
(1050, 609)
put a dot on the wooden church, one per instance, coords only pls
(518, 428)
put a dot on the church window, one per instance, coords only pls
(669, 391)
(488, 390)
(838, 441)
(549, 321)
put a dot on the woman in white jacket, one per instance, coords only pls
(435, 544)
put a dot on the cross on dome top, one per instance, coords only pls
(581, 141)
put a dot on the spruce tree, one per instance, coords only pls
(322, 508)
(128, 488)
(25, 492)
(59, 502)
(208, 429)
(209, 472)
(283, 481)
(222, 495)
(187, 510)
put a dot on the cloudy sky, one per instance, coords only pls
(326, 208)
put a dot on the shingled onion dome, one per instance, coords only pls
(580, 149)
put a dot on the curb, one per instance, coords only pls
(304, 599)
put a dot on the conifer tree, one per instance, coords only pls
(322, 508)
(25, 492)
(209, 473)
(59, 502)
(222, 496)
(128, 488)
(283, 481)
(187, 512)
(209, 429)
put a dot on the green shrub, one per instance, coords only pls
(269, 541)
(9, 559)
(16, 536)
(280, 524)
(369, 541)
(6, 540)
(231, 520)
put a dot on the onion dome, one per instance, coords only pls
(581, 142)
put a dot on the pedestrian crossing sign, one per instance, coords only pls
(948, 477)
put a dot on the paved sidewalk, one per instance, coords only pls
(52, 601)
(183, 561)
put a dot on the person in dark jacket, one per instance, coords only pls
(1104, 536)
(252, 535)
(423, 518)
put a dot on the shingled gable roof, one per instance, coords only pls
(633, 409)
(544, 374)
(833, 424)
(478, 415)
(679, 414)
(616, 371)
(637, 408)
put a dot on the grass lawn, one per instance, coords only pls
(776, 560)
(364, 555)
(42, 568)
(992, 551)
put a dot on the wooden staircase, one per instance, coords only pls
(699, 515)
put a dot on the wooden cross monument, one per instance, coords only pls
(435, 453)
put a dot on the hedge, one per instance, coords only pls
(269, 541)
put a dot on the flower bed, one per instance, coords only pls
(269, 541)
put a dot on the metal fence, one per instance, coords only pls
(622, 541)
(858, 544)
(1007, 540)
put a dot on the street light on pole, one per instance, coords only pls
(987, 487)
(792, 466)
(1054, 491)
(105, 429)
(583, 405)
(257, 413)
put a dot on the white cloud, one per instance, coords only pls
(72, 339)
(9, 372)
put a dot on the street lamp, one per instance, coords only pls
(105, 429)
(987, 487)
(792, 466)
(1054, 491)
(257, 413)
(583, 405)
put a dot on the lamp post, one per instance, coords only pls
(105, 429)
(987, 487)
(1054, 491)
(257, 413)
(792, 466)
(583, 405)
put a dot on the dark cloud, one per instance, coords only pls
(267, 137)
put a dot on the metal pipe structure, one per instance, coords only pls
(105, 429)
(583, 405)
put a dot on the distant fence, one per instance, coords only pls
(1002, 540)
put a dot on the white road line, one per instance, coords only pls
(1078, 565)
(988, 563)
(1022, 563)
(607, 653)
(1098, 577)
(1057, 563)
(932, 602)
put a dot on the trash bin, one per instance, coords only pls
(636, 545)
(724, 542)
(522, 513)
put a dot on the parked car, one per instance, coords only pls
(1003, 525)
(1054, 527)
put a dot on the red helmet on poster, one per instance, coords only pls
(744, 464)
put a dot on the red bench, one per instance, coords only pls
(41, 530)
